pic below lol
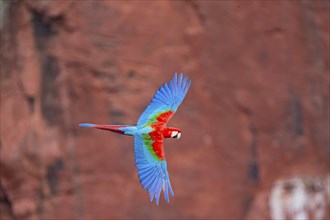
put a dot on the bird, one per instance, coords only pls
(149, 134)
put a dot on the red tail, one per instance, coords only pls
(113, 128)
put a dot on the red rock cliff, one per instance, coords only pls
(255, 122)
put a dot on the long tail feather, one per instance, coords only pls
(121, 129)
(87, 125)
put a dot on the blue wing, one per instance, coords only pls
(167, 98)
(152, 172)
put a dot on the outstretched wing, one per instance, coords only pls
(152, 169)
(165, 101)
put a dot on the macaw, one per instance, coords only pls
(149, 134)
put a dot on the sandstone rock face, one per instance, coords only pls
(255, 122)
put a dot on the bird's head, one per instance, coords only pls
(172, 133)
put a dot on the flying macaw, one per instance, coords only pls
(149, 134)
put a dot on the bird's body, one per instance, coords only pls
(149, 134)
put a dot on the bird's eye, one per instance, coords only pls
(174, 134)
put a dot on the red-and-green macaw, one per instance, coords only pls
(149, 134)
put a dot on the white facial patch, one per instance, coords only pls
(174, 133)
